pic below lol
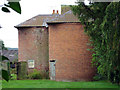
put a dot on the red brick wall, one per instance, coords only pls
(33, 45)
(68, 46)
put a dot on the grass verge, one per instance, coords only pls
(55, 84)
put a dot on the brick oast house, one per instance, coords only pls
(56, 43)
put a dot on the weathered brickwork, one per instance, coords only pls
(68, 46)
(33, 45)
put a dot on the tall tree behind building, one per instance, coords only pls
(102, 23)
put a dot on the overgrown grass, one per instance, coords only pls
(55, 84)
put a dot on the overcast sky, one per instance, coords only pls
(30, 8)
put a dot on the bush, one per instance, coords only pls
(45, 75)
(98, 77)
(38, 75)
(13, 71)
(13, 77)
(22, 70)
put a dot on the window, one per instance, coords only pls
(31, 63)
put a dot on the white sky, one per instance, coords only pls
(30, 8)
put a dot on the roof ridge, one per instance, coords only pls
(43, 19)
(60, 16)
(67, 12)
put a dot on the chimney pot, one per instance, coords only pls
(57, 12)
(53, 12)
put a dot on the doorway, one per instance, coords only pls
(52, 69)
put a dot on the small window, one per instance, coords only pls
(31, 64)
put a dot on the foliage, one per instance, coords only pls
(13, 77)
(38, 75)
(5, 75)
(22, 70)
(13, 70)
(2, 46)
(3, 58)
(16, 7)
(35, 75)
(102, 23)
(13, 5)
(98, 77)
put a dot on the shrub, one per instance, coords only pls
(13, 71)
(13, 77)
(98, 77)
(38, 75)
(45, 75)
(22, 70)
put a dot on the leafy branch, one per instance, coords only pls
(13, 5)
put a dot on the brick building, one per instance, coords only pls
(56, 43)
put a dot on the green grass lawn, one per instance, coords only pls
(55, 84)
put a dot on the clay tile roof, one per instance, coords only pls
(42, 20)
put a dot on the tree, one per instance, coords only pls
(2, 46)
(15, 5)
(5, 74)
(102, 23)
